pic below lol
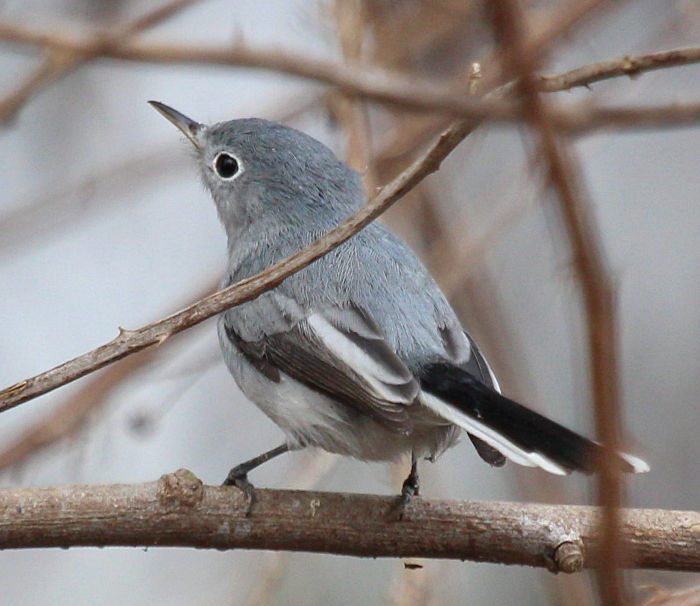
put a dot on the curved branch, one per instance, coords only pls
(380, 85)
(131, 341)
(179, 511)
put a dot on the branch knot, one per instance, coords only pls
(181, 488)
(567, 557)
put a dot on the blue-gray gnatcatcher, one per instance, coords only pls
(359, 354)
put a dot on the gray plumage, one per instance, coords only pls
(361, 287)
(359, 353)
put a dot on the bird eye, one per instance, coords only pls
(226, 166)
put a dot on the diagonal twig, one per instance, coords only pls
(629, 65)
(131, 341)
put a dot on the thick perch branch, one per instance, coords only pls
(179, 511)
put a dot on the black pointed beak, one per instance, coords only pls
(189, 127)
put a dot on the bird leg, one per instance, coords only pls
(238, 476)
(410, 487)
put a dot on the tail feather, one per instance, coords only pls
(521, 434)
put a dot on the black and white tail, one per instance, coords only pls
(522, 435)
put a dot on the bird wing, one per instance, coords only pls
(340, 352)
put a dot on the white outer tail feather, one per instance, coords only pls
(491, 436)
(504, 445)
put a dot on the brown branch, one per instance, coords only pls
(597, 288)
(375, 84)
(179, 511)
(349, 110)
(582, 119)
(624, 66)
(131, 341)
(59, 63)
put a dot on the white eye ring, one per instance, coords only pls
(227, 166)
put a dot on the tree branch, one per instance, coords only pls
(131, 341)
(597, 288)
(179, 511)
(380, 85)
(59, 63)
(628, 65)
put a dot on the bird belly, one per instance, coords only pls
(310, 418)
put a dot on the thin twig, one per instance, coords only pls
(131, 341)
(179, 511)
(629, 65)
(596, 284)
(375, 84)
(58, 64)
(584, 76)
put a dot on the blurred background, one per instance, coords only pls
(104, 223)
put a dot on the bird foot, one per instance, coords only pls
(409, 490)
(238, 477)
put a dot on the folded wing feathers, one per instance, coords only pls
(369, 357)
(329, 348)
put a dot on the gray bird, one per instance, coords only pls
(360, 353)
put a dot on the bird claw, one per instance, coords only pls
(239, 478)
(409, 490)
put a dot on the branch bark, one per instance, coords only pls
(179, 511)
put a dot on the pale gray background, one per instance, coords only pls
(125, 233)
